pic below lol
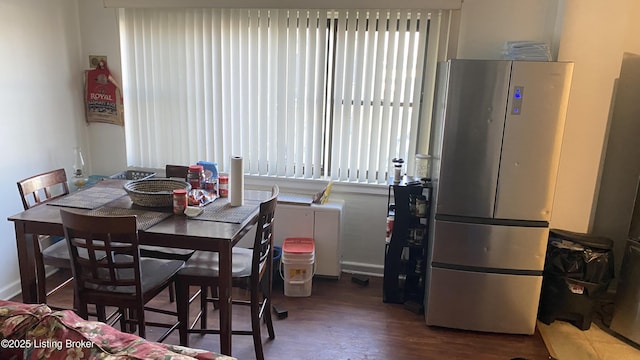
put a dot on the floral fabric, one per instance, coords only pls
(31, 331)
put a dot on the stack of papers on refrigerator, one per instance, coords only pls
(527, 50)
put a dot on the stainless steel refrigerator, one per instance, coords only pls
(497, 132)
(626, 311)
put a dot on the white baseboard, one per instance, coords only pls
(10, 291)
(350, 267)
(353, 267)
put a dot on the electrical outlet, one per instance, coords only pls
(94, 60)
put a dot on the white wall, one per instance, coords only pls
(43, 52)
(599, 52)
(41, 102)
(99, 36)
(595, 38)
(485, 25)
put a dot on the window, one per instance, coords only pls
(298, 93)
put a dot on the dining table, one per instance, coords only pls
(218, 228)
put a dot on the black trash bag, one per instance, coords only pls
(580, 256)
(578, 268)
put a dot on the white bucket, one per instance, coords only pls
(297, 267)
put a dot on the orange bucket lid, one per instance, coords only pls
(298, 245)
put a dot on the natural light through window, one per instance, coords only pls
(298, 93)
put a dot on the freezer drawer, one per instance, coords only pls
(489, 246)
(482, 301)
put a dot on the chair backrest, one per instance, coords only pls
(115, 236)
(263, 243)
(176, 171)
(46, 186)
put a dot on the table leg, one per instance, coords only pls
(225, 283)
(25, 246)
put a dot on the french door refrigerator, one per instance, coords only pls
(497, 132)
(626, 311)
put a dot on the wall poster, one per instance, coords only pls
(103, 98)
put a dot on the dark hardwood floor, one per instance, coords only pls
(344, 320)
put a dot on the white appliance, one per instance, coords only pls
(323, 223)
(497, 130)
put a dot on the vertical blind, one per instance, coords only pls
(298, 93)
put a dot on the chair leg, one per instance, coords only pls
(40, 273)
(83, 310)
(76, 302)
(204, 292)
(101, 313)
(140, 321)
(268, 319)
(265, 288)
(172, 293)
(182, 305)
(124, 320)
(216, 296)
(255, 325)
(133, 317)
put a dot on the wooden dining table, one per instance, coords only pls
(168, 230)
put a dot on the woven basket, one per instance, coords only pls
(154, 192)
(133, 175)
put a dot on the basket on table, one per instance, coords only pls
(154, 192)
(133, 175)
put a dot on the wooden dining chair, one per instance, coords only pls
(252, 269)
(50, 251)
(122, 279)
(176, 171)
(159, 252)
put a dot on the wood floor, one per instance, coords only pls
(344, 320)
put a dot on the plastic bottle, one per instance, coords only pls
(179, 201)
(195, 176)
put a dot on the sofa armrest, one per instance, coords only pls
(64, 335)
(18, 318)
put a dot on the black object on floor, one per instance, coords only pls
(360, 279)
(577, 272)
(414, 307)
(280, 312)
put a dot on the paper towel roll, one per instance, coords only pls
(236, 182)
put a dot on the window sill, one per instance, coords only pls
(301, 185)
(313, 186)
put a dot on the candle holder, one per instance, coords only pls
(79, 178)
